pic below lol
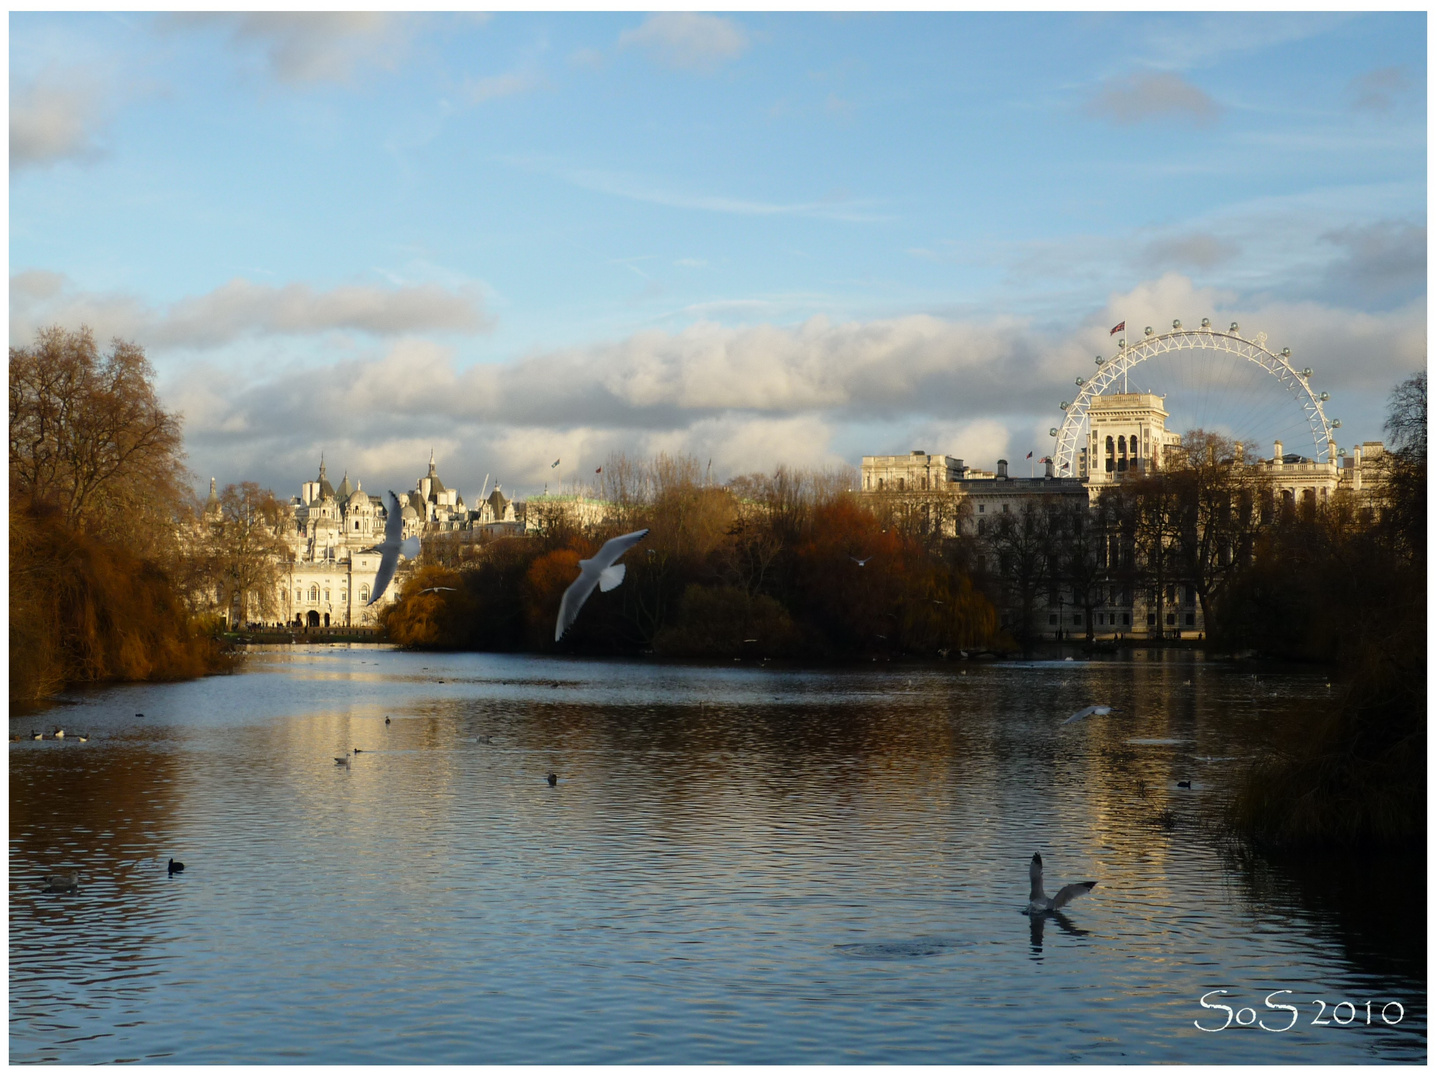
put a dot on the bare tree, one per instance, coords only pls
(88, 436)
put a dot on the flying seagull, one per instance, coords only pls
(392, 548)
(600, 570)
(862, 562)
(1089, 710)
(1039, 902)
(438, 588)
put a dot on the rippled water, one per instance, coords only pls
(738, 864)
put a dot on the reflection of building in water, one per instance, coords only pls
(1127, 440)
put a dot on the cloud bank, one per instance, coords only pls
(241, 309)
(746, 398)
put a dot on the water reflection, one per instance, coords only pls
(1037, 930)
(737, 865)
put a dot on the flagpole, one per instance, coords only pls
(1127, 370)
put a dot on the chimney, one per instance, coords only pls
(1049, 469)
(1002, 469)
(1279, 455)
(1334, 456)
(1355, 465)
(917, 453)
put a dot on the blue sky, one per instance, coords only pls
(757, 238)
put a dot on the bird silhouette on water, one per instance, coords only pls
(1040, 903)
(175, 867)
(66, 882)
(387, 719)
(551, 779)
(1183, 783)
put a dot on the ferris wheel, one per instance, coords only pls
(1212, 379)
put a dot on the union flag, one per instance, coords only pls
(1117, 328)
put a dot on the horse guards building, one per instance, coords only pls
(330, 535)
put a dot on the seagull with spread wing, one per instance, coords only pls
(599, 569)
(1089, 710)
(392, 548)
(1040, 904)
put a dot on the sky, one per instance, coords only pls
(754, 238)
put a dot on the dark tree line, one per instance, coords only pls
(788, 564)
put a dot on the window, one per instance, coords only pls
(1134, 446)
(982, 508)
(1170, 619)
(314, 594)
(1054, 618)
(299, 595)
(1112, 618)
(1075, 619)
(1124, 618)
(344, 595)
(1189, 618)
(364, 594)
(1150, 619)
(327, 596)
(1004, 508)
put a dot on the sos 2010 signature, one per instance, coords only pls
(1390, 1013)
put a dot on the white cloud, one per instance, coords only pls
(60, 116)
(686, 40)
(242, 309)
(313, 46)
(1151, 95)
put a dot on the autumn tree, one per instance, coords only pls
(89, 436)
(242, 551)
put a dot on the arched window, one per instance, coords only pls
(314, 594)
(364, 594)
(1134, 446)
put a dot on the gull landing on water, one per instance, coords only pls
(1041, 904)
(599, 569)
(1089, 710)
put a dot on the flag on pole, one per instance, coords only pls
(1030, 455)
(601, 467)
(1117, 328)
(557, 464)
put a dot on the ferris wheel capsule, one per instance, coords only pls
(1175, 324)
(1079, 381)
(1205, 324)
(1307, 372)
(1122, 343)
(1099, 361)
(1149, 330)
(1324, 395)
(1054, 431)
(1234, 326)
(1065, 405)
(1334, 423)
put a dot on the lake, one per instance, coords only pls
(738, 864)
